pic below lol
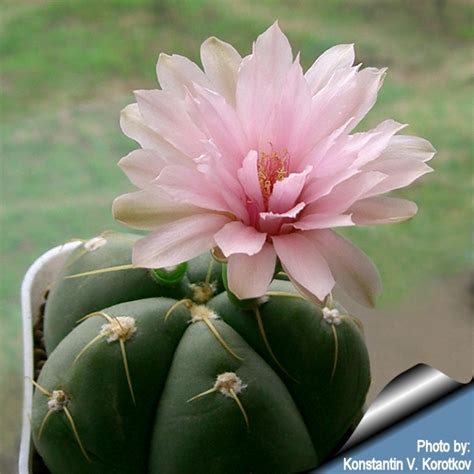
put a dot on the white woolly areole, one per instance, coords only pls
(95, 243)
(332, 316)
(199, 312)
(203, 292)
(57, 401)
(121, 327)
(228, 382)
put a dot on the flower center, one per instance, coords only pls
(271, 167)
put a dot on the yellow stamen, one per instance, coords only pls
(271, 167)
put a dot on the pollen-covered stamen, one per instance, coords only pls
(120, 327)
(271, 167)
(58, 400)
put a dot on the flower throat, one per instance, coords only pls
(271, 167)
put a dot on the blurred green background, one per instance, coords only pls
(69, 67)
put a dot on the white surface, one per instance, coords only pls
(36, 281)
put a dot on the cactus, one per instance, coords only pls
(99, 274)
(176, 384)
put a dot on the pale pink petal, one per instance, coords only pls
(271, 222)
(304, 263)
(337, 57)
(338, 104)
(305, 293)
(227, 184)
(192, 186)
(317, 187)
(248, 177)
(288, 115)
(147, 210)
(166, 114)
(221, 63)
(400, 173)
(133, 125)
(222, 125)
(178, 241)
(346, 193)
(272, 51)
(290, 214)
(406, 146)
(352, 269)
(334, 141)
(236, 237)
(259, 81)
(250, 275)
(369, 145)
(178, 74)
(382, 210)
(142, 166)
(323, 221)
(286, 192)
(369, 81)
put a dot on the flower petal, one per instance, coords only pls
(352, 269)
(341, 102)
(400, 173)
(248, 178)
(192, 186)
(249, 276)
(304, 263)
(286, 192)
(221, 63)
(134, 127)
(259, 81)
(222, 124)
(236, 237)
(177, 74)
(288, 115)
(272, 51)
(317, 187)
(272, 222)
(406, 146)
(290, 214)
(167, 115)
(147, 210)
(346, 193)
(338, 57)
(178, 241)
(142, 166)
(382, 210)
(323, 221)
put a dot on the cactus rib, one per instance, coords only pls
(267, 343)
(336, 351)
(123, 351)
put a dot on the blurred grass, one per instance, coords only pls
(68, 67)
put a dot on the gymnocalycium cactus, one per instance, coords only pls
(165, 359)
(177, 379)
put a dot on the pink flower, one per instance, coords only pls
(255, 157)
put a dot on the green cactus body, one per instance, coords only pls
(324, 366)
(98, 274)
(201, 388)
